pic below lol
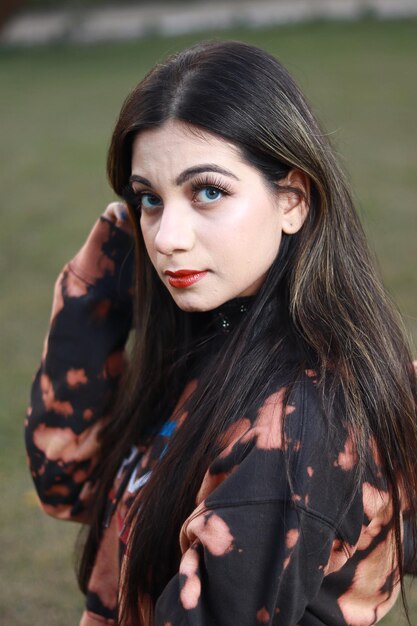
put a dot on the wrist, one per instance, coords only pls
(106, 259)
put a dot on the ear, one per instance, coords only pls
(294, 204)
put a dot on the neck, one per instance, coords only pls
(224, 318)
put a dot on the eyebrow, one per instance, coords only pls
(187, 174)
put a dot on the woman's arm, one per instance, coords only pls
(82, 361)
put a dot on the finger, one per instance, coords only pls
(117, 212)
(114, 211)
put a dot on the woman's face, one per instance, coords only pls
(211, 225)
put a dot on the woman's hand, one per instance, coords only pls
(117, 213)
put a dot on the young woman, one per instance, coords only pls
(252, 462)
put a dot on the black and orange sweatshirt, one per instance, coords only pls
(256, 549)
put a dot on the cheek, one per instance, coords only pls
(258, 231)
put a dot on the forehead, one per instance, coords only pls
(177, 145)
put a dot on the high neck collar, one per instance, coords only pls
(228, 315)
(223, 319)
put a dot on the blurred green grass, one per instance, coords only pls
(57, 110)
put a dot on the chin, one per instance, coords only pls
(191, 303)
(193, 307)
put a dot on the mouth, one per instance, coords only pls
(181, 279)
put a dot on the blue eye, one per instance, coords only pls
(209, 194)
(149, 201)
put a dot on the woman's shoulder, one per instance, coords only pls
(287, 421)
(286, 449)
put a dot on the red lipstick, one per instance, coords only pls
(184, 278)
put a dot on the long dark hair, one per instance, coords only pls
(331, 306)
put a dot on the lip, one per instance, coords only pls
(181, 279)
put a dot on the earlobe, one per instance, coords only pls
(295, 201)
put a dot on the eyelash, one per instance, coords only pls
(134, 198)
(207, 181)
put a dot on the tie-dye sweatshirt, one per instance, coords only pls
(279, 534)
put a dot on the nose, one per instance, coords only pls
(176, 230)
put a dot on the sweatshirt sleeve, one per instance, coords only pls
(82, 361)
(256, 551)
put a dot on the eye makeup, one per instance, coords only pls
(134, 197)
(131, 197)
(197, 184)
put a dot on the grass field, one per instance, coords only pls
(57, 109)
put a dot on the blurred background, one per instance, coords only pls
(65, 69)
